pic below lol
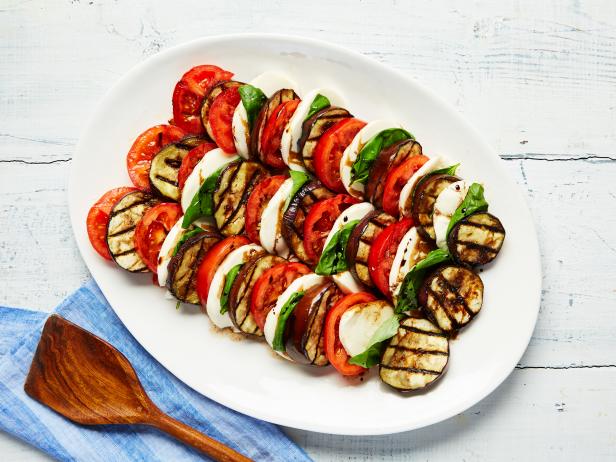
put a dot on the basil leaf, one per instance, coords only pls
(187, 235)
(474, 201)
(407, 297)
(318, 103)
(299, 179)
(229, 280)
(333, 259)
(252, 99)
(203, 202)
(377, 343)
(285, 312)
(371, 150)
(451, 170)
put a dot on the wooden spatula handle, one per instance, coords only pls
(214, 449)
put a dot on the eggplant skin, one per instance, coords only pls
(241, 291)
(416, 357)
(183, 266)
(451, 297)
(424, 197)
(123, 219)
(209, 99)
(477, 239)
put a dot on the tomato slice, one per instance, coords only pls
(257, 201)
(383, 252)
(152, 230)
(189, 93)
(272, 133)
(329, 149)
(319, 222)
(98, 218)
(335, 352)
(220, 118)
(191, 159)
(270, 286)
(395, 181)
(145, 147)
(212, 261)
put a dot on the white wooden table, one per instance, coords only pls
(537, 78)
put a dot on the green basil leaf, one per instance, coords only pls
(285, 312)
(474, 201)
(377, 343)
(229, 280)
(202, 205)
(333, 259)
(451, 170)
(187, 235)
(318, 103)
(407, 297)
(253, 100)
(371, 150)
(299, 179)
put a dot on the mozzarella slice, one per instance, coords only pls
(270, 231)
(240, 255)
(433, 164)
(209, 164)
(445, 205)
(300, 284)
(269, 82)
(289, 143)
(411, 250)
(358, 325)
(347, 283)
(351, 153)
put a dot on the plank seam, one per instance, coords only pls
(582, 366)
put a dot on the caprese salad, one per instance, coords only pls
(287, 218)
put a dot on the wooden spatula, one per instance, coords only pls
(87, 380)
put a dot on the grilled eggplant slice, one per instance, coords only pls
(183, 266)
(314, 127)
(387, 160)
(360, 241)
(123, 219)
(234, 185)
(424, 197)
(241, 291)
(281, 96)
(416, 356)
(477, 239)
(209, 99)
(451, 296)
(306, 341)
(166, 165)
(295, 215)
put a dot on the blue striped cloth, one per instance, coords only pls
(34, 423)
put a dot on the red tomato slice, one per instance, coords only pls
(257, 201)
(395, 181)
(272, 133)
(319, 222)
(152, 230)
(383, 251)
(335, 352)
(189, 92)
(329, 149)
(220, 118)
(270, 286)
(145, 147)
(212, 261)
(191, 160)
(98, 218)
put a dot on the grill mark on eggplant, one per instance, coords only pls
(235, 166)
(313, 129)
(419, 351)
(423, 198)
(167, 180)
(247, 190)
(458, 297)
(166, 165)
(411, 369)
(474, 245)
(420, 331)
(127, 208)
(443, 307)
(124, 231)
(126, 252)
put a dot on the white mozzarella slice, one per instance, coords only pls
(350, 154)
(410, 252)
(210, 163)
(236, 257)
(269, 82)
(289, 142)
(347, 283)
(271, 321)
(433, 164)
(445, 205)
(270, 230)
(358, 325)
